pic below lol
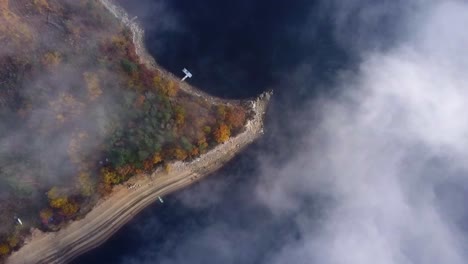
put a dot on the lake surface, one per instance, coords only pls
(235, 49)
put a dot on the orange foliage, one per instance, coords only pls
(125, 170)
(222, 133)
(235, 117)
(195, 152)
(148, 164)
(104, 189)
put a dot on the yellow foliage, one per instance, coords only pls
(157, 158)
(179, 153)
(222, 133)
(70, 208)
(195, 152)
(111, 177)
(58, 202)
(57, 197)
(165, 87)
(4, 249)
(53, 193)
(167, 168)
(92, 84)
(125, 170)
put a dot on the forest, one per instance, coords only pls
(79, 113)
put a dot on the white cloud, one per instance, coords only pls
(389, 152)
(386, 157)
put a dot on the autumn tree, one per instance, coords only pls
(58, 199)
(111, 177)
(70, 208)
(167, 87)
(235, 117)
(222, 133)
(176, 152)
(126, 170)
(157, 158)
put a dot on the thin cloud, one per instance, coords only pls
(385, 158)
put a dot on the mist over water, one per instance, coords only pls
(363, 160)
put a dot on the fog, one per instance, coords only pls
(374, 173)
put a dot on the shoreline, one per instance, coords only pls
(115, 210)
(146, 59)
(118, 208)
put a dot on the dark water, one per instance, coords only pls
(235, 49)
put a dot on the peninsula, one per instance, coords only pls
(105, 130)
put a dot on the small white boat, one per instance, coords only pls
(160, 199)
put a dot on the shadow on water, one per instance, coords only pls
(236, 49)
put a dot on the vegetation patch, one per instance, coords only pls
(79, 113)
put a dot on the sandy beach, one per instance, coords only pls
(115, 210)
